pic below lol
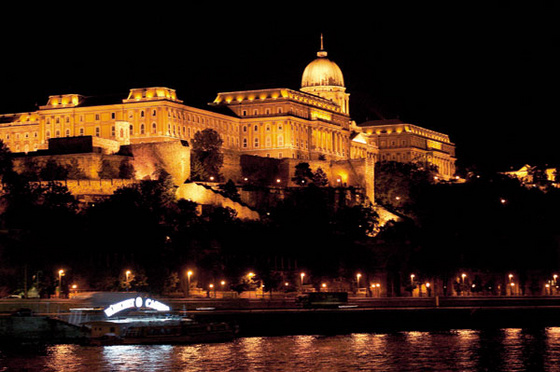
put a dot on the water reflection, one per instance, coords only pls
(455, 350)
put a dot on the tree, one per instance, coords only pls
(75, 171)
(6, 164)
(398, 184)
(320, 177)
(53, 171)
(303, 174)
(108, 170)
(230, 190)
(206, 156)
(126, 170)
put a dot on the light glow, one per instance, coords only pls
(137, 302)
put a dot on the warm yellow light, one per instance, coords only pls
(211, 285)
(74, 286)
(223, 282)
(189, 273)
(427, 285)
(324, 285)
(250, 275)
(60, 272)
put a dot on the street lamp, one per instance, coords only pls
(189, 274)
(358, 276)
(60, 274)
(127, 273)
(302, 275)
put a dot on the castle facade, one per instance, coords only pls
(312, 124)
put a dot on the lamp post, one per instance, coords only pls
(127, 273)
(60, 274)
(189, 274)
(302, 275)
(358, 276)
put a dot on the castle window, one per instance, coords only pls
(154, 112)
(268, 141)
(244, 113)
(67, 132)
(81, 131)
(244, 128)
(96, 116)
(142, 128)
(256, 128)
(142, 113)
(154, 127)
(280, 140)
(57, 134)
(131, 128)
(47, 135)
(112, 131)
(244, 142)
(256, 142)
(113, 115)
(97, 131)
(279, 110)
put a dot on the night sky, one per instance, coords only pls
(487, 75)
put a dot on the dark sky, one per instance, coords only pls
(487, 75)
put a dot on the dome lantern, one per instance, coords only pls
(323, 78)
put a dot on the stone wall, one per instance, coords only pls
(172, 156)
(356, 173)
(206, 196)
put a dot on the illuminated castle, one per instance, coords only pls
(312, 124)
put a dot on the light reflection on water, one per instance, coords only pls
(455, 350)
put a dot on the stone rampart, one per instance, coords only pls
(206, 196)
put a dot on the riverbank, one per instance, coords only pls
(284, 317)
(367, 320)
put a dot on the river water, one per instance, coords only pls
(454, 350)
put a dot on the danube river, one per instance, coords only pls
(508, 349)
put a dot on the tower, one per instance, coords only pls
(323, 77)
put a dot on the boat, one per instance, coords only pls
(138, 320)
(148, 329)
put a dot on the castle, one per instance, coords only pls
(152, 127)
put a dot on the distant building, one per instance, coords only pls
(533, 175)
(404, 142)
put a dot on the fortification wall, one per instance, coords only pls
(357, 173)
(206, 196)
(172, 156)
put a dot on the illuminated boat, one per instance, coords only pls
(141, 320)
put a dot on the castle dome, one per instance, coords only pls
(322, 72)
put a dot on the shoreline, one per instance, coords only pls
(260, 318)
